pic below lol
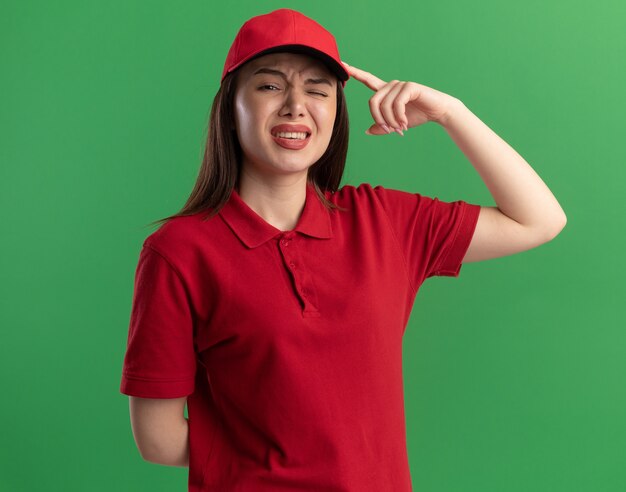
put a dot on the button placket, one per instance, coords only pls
(290, 256)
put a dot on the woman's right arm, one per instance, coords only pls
(160, 429)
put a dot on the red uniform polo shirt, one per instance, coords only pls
(288, 345)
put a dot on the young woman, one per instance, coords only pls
(274, 303)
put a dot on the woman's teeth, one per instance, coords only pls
(295, 135)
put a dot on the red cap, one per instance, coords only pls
(284, 30)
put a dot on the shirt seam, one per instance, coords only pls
(398, 247)
(180, 279)
(452, 243)
(171, 265)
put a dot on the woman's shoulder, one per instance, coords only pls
(180, 233)
(351, 191)
(363, 192)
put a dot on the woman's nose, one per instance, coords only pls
(294, 103)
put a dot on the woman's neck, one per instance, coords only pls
(280, 205)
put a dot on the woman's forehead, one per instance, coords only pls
(289, 61)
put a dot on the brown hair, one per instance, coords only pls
(219, 172)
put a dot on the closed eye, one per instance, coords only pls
(273, 87)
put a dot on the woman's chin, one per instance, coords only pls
(288, 168)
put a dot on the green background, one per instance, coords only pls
(514, 372)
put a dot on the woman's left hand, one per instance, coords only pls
(399, 105)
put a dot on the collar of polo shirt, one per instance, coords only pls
(253, 230)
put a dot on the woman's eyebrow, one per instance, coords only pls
(272, 71)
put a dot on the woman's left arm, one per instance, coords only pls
(527, 213)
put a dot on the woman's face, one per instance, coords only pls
(285, 107)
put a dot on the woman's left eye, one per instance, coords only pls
(273, 87)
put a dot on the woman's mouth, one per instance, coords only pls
(291, 140)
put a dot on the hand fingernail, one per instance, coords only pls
(386, 128)
(399, 131)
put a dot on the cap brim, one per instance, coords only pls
(330, 62)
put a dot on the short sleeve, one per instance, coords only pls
(160, 359)
(434, 235)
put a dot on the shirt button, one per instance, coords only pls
(292, 264)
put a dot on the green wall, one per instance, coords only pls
(514, 372)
